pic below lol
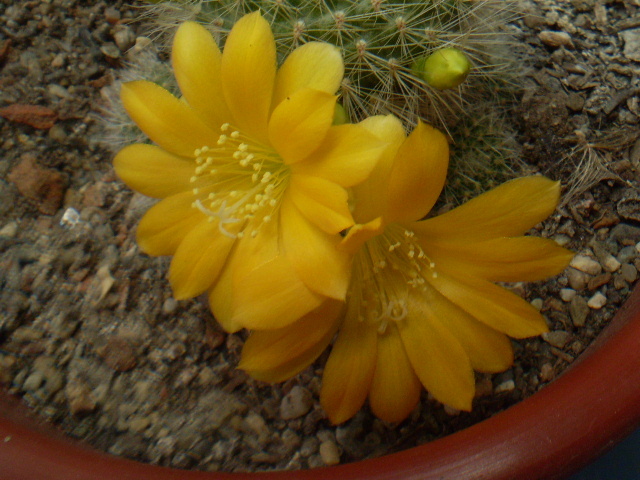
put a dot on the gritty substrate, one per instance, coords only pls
(92, 339)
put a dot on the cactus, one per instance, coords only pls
(396, 59)
(381, 42)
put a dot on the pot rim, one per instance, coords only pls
(593, 405)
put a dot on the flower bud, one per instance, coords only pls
(443, 69)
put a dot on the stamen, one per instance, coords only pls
(387, 268)
(240, 179)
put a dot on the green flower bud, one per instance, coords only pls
(443, 69)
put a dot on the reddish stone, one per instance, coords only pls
(36, 116)
(45, 187)
(119, 354)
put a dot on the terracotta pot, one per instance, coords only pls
(583, 413)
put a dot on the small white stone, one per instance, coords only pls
(537, 303)
(567, 294)
(597, 301)
(586, 264)
(506, 386)
(611, 263)
(296, 403)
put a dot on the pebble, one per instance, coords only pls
(118, 353)
(309, 446)
(169, 306)
(506, 386)
(625, 234)
(290, 441)
(597, 301)
(627, 254)
(629, 272)
(547, 372)
(53, 377)
(578, 311)
(557, 338)
(567, 294)
(555, 39)
(599, 280)
(256, 424)
(112, 15)
(46, 187)
(586, 264)
(329, 452)
(9, 230)
(33, 381)
(59, 60)
(139, 424)
(610, 263)
(26, 334)
(124, 37)
(167, 445)
(619, 283)
(186, 376)
(79, 397)
(577, 280)
(537, 303)
(110, 51)
(296, 403)
(631, 43)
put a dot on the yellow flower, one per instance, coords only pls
(422, 309)
(251, 172)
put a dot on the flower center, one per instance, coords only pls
(385, 269)
(238, 182)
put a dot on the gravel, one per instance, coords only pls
(92, 339)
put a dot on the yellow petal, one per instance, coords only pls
(300, 122)
(359, 234)
(349, 370)
(314, 255)
(370, 198)
(165, 225)
(418, 174)
(347, 156)
(199, 260)
(494, 306)
(272, 296)
(488, 350)
(196, 63)
(527, 259)
(395, 389)
(221, 298)
(268, 293)
(248, 74)
(277, 355)
(313, 65)
(506, 211)
(437, 357)
(322, 202)
(167, 121)
(153, 171)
